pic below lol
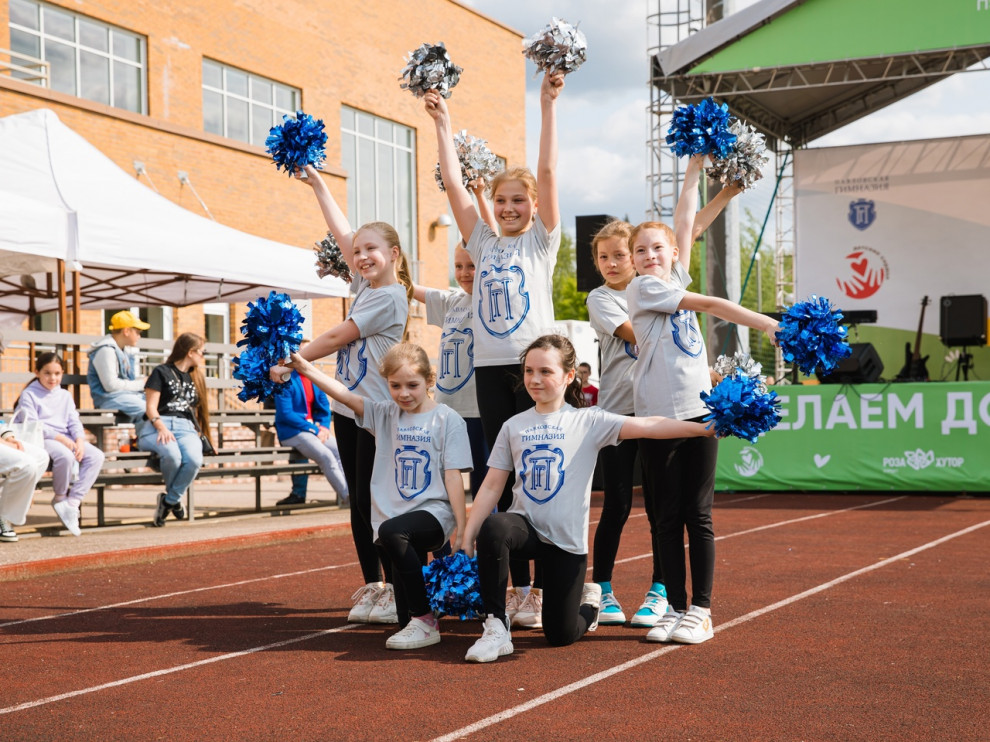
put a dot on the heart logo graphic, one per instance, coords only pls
(820, 460)
(860, 266)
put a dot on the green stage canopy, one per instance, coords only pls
(799, 69)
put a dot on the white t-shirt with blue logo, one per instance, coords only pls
(672, 369)
(380, 315)
(607, 310)
(554, 457)
(513, 290)
(412, 452)
(453, 311)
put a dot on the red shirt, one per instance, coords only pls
(590, 394)
(308, 393)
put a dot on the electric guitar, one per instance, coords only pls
(915, 368)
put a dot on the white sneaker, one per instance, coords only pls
(495, 642)
(384, 608)
(592, 595)
(695, 627)
(513, 599)
(364, 600)
(7, 532)
(662, 629)
(68, 514)
(530, 613)
(654, 606)
(416, 634)
(611, 612)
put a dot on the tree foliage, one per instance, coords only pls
(568, 302)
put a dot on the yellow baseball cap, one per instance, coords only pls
(127, 319)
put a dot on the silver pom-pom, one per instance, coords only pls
(725, 366)
(477, 161)
(429, 68)
(330, 261)
(559, 47)
(745, 165)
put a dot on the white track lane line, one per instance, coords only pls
(177, 593)
(604, 674)
(775, 525)
(170, 670)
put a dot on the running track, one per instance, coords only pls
(837, 617)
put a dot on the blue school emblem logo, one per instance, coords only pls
(686, 334)
(504, 301)
(352, 363)
(456, 362)
(543, 472)
(412, 471)
(862, 213)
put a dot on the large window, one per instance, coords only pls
(243, 106)
(89, 59)
(380, 159)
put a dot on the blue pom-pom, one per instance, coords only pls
(741, 406)
(811, 337)
(272, 331)
(297, 142)
(701, 129)
(453, 587)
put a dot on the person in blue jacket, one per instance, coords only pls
(302, 420)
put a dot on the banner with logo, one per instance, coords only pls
(899, 437)
(880, 226)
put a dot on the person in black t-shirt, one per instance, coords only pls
(177, 413)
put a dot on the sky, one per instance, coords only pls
(603, 126)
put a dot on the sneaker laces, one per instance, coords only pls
(610, 603)
(650, 603)
(533, 602)
(386, 596)
(494, 629)
(361, 592)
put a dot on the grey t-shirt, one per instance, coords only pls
(380, 316)
(453, 311)
(412, 452)
(554, 457)
(513, 290)
(672, 369)
(607, 310)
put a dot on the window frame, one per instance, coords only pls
(226, 96)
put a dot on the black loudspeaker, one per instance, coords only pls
(963, 320)
(587, 227)
(862, 367)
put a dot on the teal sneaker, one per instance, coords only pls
(654, 606)
(610, 613)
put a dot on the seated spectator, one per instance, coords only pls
(589, 390)
(76, 462)
(113, 382)
(178, 411)
(302, 420)
(21, 466)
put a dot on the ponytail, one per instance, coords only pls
(403, 273)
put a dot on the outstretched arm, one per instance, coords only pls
(546, 167)
(484, 502)
(450, 167)
(730, 312)
(662, 427)
(684, 212)
(337, 221)
(704, 218)
(330, 385)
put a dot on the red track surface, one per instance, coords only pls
(833, 621)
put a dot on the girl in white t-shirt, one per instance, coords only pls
(553, 446)
(671, 373)
(513, 295)
(417, 494)
(376, 321)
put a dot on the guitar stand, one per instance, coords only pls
(964, 363)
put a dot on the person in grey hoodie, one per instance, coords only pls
(76, 463)
(113, 381)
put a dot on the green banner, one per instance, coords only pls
(900, 437)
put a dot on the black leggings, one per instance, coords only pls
(406, 540)
(618, 465)
(500, 396)
(681, 475)
(504, 535)
(357, 457)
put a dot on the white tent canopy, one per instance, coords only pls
(60, 197)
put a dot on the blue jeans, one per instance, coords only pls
(131, 404)
(180, 460)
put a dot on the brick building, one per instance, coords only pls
(194, 87)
